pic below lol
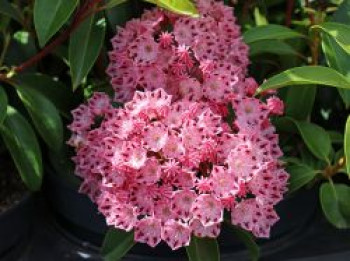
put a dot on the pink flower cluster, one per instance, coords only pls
(200, 58)
(190, 143)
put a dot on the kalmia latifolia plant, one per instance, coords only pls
(191, 141)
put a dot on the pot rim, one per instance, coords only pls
(26, 197)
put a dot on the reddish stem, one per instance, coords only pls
(289, 12)
(311, 16)
(79, 17)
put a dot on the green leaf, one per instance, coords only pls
(116, 244)
(184, 7)
(7, 9)
(203, 249)
(44, 115)
(50, 16)
(315, 137)
(336, 204)
(342, 15)
(248, 240)
(57, 92)
(3, 104)
(260, 18)
(84, 47)
(114, 3)
(339, 32)
(336, 137)
(306, 75)
(337, 59)
(269, 32)
(279, 48)
(300, 175)
(347, 145)
(23, 146)
(300, 102)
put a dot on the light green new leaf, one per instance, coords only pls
(337, 59)
(336, 204)
(20, 140)
(300, 175)
(116, 245)
(339, 32)
(279, 48)
(50, 16)
(347, 145)
(269, 32)
(7, 9)
(306, 75)
(203, 249)
(45, 116)
(3, 104)
(114, 3)
(185, 7)
(84, 47)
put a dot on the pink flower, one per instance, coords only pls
(148, 230)
(191, 140)
(275, 105)
(208, 210)
(176, 234)
(151, 56)
(160, 167)
(201, 231)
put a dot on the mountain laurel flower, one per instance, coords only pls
(191, 142)
(162, 50)
(168, 180)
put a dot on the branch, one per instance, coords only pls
(289, 12)
(83, 12)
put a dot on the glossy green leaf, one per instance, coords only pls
(347, 145)
(3, 104)
(45, 116)
(23, 146)
(269, 32)
(336, 204)
(185, 7)
(300, 101)
(342, 15)
(339, 32)
(58, 93)
(259, 17)
(116, 245)
(300, 175)
(203, 249)
(7, 9)
(279, 48)
(50, 16)
(315, 137)
(84, 47)
(306, 75)
(248, 240)
(337, 59)
(114, 3)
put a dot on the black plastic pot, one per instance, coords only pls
(79, 217)
(15, 226)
